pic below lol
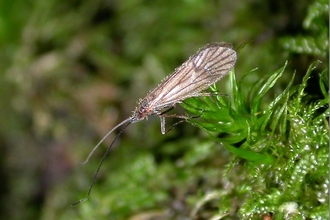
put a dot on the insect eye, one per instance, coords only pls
(144, 103)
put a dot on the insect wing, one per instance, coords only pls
(200, 71)
(216, 59)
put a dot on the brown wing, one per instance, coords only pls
(200, 71)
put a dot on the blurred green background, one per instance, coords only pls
(72, 70)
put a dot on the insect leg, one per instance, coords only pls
(184, 117)
(162, 121)
(164, 112)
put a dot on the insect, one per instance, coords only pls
(207, 66)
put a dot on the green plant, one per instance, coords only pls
(284, 146)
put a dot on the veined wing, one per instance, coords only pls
(200, 71)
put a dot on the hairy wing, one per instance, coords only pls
(200, 71)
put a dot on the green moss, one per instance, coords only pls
(284, 147)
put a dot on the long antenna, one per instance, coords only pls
(94, 149)
(210, 64)
(102, 160)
